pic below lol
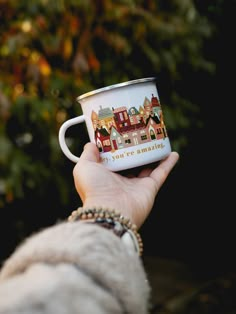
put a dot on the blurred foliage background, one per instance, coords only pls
(53, 51)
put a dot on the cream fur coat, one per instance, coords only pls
(73, 268)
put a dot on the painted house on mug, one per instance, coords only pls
(119, 128)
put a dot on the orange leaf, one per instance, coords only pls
(93, 62)
(67, 48)
(44, 67)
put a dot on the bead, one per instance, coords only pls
(129, 224)
(134, 227)
(84, 216)
(126, 220)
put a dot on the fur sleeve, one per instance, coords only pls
(69, 262)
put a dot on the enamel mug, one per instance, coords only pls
(125, 121)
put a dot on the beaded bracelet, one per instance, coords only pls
(111, 219)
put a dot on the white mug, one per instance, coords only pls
(125, 121)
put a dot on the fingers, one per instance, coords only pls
(160, 174)
(90, 153)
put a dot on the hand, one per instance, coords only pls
(133, 197)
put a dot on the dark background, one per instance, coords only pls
(194, 215)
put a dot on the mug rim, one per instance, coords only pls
(114, 86)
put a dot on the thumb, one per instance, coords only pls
(90, 153)
(160, 174)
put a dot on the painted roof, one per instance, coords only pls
(105, 113)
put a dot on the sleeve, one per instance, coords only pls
(73, 268)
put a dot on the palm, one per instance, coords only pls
(132, 196)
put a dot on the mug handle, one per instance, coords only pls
(62, 139)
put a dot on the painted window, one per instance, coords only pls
(107, 143)
(121, 116)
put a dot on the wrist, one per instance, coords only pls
(110, 202)
(113, 220)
